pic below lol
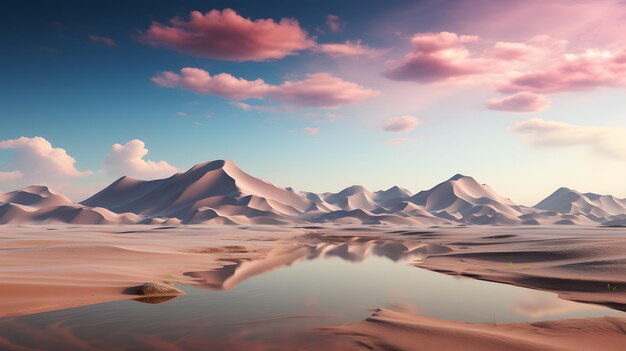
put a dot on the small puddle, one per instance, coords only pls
(252, 303)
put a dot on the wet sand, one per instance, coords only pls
(46, 268)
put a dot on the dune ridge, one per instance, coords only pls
(219, 192)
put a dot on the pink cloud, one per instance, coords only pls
(312, 130)
(128, 159)
(519, 102)
(321, 90)
(223, 84)
(537, 48)
(334, 23)
(225, 35)
(441, 56)
(242, 105)
(316, 90)
(572, 72)
(582, 22)
(433, 42)
(348, 48)
(102, 40)
(539, 65)
(510, 51)
(401, 124)
(436, 57)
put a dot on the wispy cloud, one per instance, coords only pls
(347, 49)
(334, 23)
(519, 102)
(585, 71)
(333, 117)
(604, 141)
(102, 40)
(312, 130)
(401, 124)
(316, 90)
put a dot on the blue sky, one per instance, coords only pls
(63, 82)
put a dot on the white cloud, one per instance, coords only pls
(401, 124)
(605, 141)
(35, 161)
(129, 160)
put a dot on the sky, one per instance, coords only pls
(526, 96)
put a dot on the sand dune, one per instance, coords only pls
(100, 263)
(218, 192)
(353, 198)
(392, 193)
(580, 263)
(391, 330)
(465, 196)
(72, 214)
(217, 189)
(36, 197)
(41, 205)
(595, 207)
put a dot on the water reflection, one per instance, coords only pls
(269, 304)
(155, 300)
(358, 249)
(539, 306)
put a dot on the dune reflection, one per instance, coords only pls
(236, 271)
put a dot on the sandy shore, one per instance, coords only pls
(579, 263)
(389, 330)
(50, 268)
(44, 268)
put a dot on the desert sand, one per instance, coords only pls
(47, 268)
(392, 330)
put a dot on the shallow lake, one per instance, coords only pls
(283, 303)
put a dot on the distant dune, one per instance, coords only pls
(218, 192)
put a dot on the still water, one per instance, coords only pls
(281, 304)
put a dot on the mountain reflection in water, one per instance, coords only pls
(271, 303)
